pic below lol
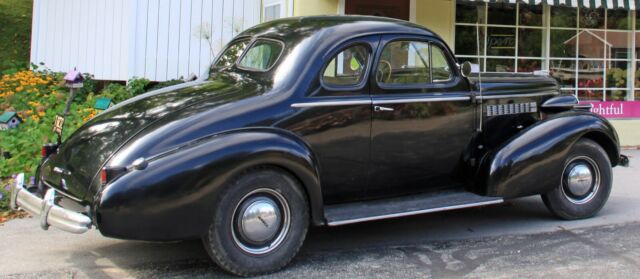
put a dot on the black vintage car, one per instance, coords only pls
(321, 121)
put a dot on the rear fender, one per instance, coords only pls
(173, 197)
(532, 161)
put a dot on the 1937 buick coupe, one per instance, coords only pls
(321, 121)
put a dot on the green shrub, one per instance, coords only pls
(36, 97)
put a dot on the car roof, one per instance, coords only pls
(342, 26)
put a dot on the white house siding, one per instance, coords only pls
(120, 39)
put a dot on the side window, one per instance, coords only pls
(412, 62)
(348, 67)
(261, 56)
(404, 62)
(440, 70)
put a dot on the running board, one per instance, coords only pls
(356, 212)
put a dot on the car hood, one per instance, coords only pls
(513, 83)
(74, 168)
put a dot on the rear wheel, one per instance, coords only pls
(260, 222)
(585, 183)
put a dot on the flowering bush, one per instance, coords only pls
(36, 97)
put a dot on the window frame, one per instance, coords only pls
(231, 43)
(250, 45)
(281, 4)
(362, 83)
(548, 61)
(451, 82)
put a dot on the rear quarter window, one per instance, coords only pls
(262, 55)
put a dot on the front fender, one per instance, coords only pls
(532, 161)
(173, 197)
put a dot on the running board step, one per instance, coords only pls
(348, 213)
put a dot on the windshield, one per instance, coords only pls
(262, 55)
(231, 54)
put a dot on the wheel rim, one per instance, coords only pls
(261, 221)
(580, 180)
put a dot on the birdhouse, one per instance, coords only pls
(9, 120)
(73, 79)
(102, 103)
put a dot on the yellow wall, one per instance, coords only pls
(628, 131)
(315, 7)
(437, 15)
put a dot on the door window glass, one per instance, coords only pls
(348, 67)
(440, 69)
(404, 62)
(412, 62)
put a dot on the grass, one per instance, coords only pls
(15, 33)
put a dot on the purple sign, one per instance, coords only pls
(616, 109)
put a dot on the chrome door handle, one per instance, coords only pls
(381, 108)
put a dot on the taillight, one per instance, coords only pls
(103, 176)
(48, 149)
(108, 174)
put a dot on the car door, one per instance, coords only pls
(335, 119)
(422, 117)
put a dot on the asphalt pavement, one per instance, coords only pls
(518, 238)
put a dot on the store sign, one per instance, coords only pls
(501, 41)
(617, 109)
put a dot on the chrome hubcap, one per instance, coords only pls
(581, 180)
(261, 221)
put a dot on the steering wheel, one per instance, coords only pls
(383, 74)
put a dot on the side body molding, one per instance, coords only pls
(532, 161)
(170, 199)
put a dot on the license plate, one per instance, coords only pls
(58, 124)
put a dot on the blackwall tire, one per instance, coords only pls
(585, 184)
(259, 224)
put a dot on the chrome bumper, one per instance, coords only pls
(50, 214)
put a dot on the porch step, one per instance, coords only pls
(348, 213)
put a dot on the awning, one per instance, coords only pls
(607, 4)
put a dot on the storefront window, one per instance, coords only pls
(589, 51)
(501, 14)
(530, 15)
(529, 42)
(563, 16)
(469, 12)
(509, 34)
(591, 18)
(501, 41)
(618, 19)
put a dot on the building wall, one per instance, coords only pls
(628, 131)
(120, 39)
(315, 7)
(439, 16)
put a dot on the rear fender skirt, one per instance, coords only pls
(173, 197)
(531, 162)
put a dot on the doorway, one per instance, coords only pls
(399, 9)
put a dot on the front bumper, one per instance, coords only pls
(50, 213)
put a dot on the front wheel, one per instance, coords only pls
(260, 222)
(585, 183)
